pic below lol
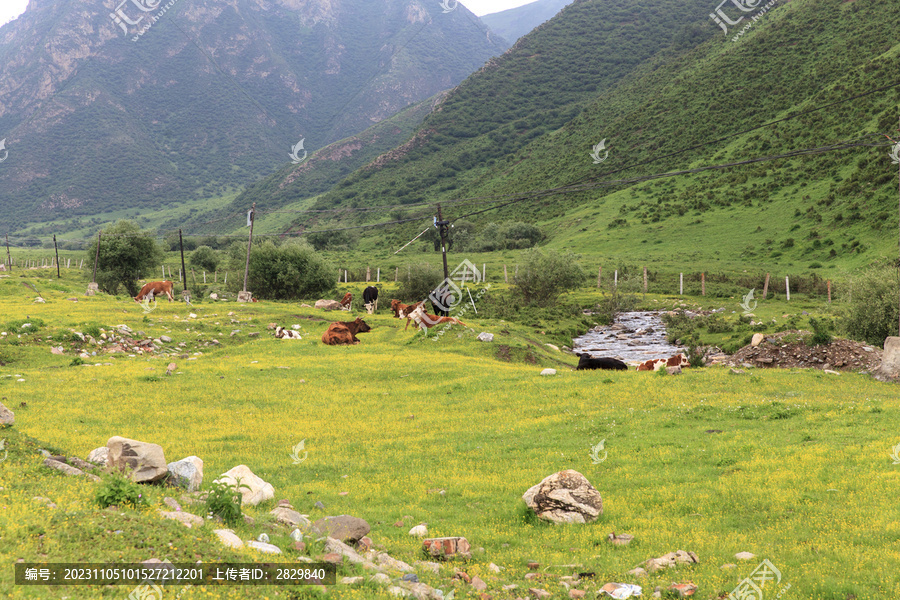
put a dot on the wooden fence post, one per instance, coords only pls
(345, 275)
(368, 274)
(339, 275)
(378, 276)
(766, 287)
(599, 274)
(703, 284)
(396, 274)
(505, 275)
(787, 288)
(483, 272)
(681, 284)
(829, 291)
(645, 280)
(616, 279)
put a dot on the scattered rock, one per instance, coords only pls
(493, 568)
(165, 339)
(228, 538)
(263, 537)
(319, 505)
(344, 527)
(290, 517)
(6, 416)
(187, 473)
(171, 503)
(637, 572)
(264, 547)
(577, 594)
(565, 497)
(683, 590)
(257, 490)
(185, 518)
(622, 539)
(352, 580)
(548, 372)
(339, 547)
(146, 461)
(447, 547)
(745, 556)
(620, 590)
(62, 467)
(381, 578)
(552, 347)
(757, 339)
(670, 560)
(479, 584)
(98, 456)
(419, 531)
(328, 305)
(539, 594)
(485, 337)
(432, 567)
(45, 501)
(673, 370)
(728, 566)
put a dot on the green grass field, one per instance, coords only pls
(799, 472)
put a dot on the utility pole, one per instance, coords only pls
(8, 259)
(898, 233)
(442, 226)
(183, 273)
(96, 258)
(57, 256)
(244, 294)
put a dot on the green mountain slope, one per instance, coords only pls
(666, 113)
(514, 23)
(209, 98)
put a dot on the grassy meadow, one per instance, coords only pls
(791, 465)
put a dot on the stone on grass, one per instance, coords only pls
(548, 372)
(485, 337)
(6, 416)
(187, 473)
(890, 360)
(381, 578)
(263, 547)
(144, 460)
(351, 580)
(290, 517)
(328, 304)
(745, 556)
(228, 538)
(565, 497)
(344, 527)
(338, 547)
(256, 491)
(447, 547)
(479, 584)
(185, 518)
(419, 531)
(538, 593)
(757, 339)
(623, 539)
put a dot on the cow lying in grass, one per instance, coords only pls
(283, 333)
(426, 321)
(344, 332)
(155, 288)
(656, 364)
(585, 362)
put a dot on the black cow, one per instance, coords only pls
(370, 299)
(585, 362)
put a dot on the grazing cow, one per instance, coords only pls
(585, 362)
(287, 334)
(426, 321)
(344, 332)
(370, 299)
(401, 311)
(346, 301)
(441, 301)
(155, 288)
(655, 364)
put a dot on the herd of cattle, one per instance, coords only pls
(344, 332)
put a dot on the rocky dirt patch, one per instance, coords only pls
(787, 349)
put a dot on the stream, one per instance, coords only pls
(633, 338)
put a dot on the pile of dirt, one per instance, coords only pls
(787, 349)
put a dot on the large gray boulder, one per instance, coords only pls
(256, 491)
(890, 360)
(565, 497)
(6, 416)
(328, 304)
(187, 473)
(344, 528)
(145, 461)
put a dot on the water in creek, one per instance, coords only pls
(633, 338)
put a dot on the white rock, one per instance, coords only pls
(381, 578)
(493, 568)
(263, 538)
(98, 456)
(552, 347)
(745, 556)
(419, 531)
(548, 372)
(757, 339)
(264, 547)
(187, 473)
(259, 490)
(228, 538)
(485, 337)
(146, 461)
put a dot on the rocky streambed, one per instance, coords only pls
(633, 338)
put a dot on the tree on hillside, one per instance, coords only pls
(543, 276)
(289, 271)
(126, 254)
(873, 313)
(205, 258)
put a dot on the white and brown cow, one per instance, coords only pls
(656, 364)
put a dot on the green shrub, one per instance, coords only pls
(821, 331)
(118, 490)
(291, 271)
(224, 501)
(420, 280)
(205, 259)
(873, 312)
(126, 254)
(543, 276)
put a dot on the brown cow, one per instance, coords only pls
(156, 288)
(426, 321)
(656, 364)
(344, 332)
(345, 302)
(402, 311)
